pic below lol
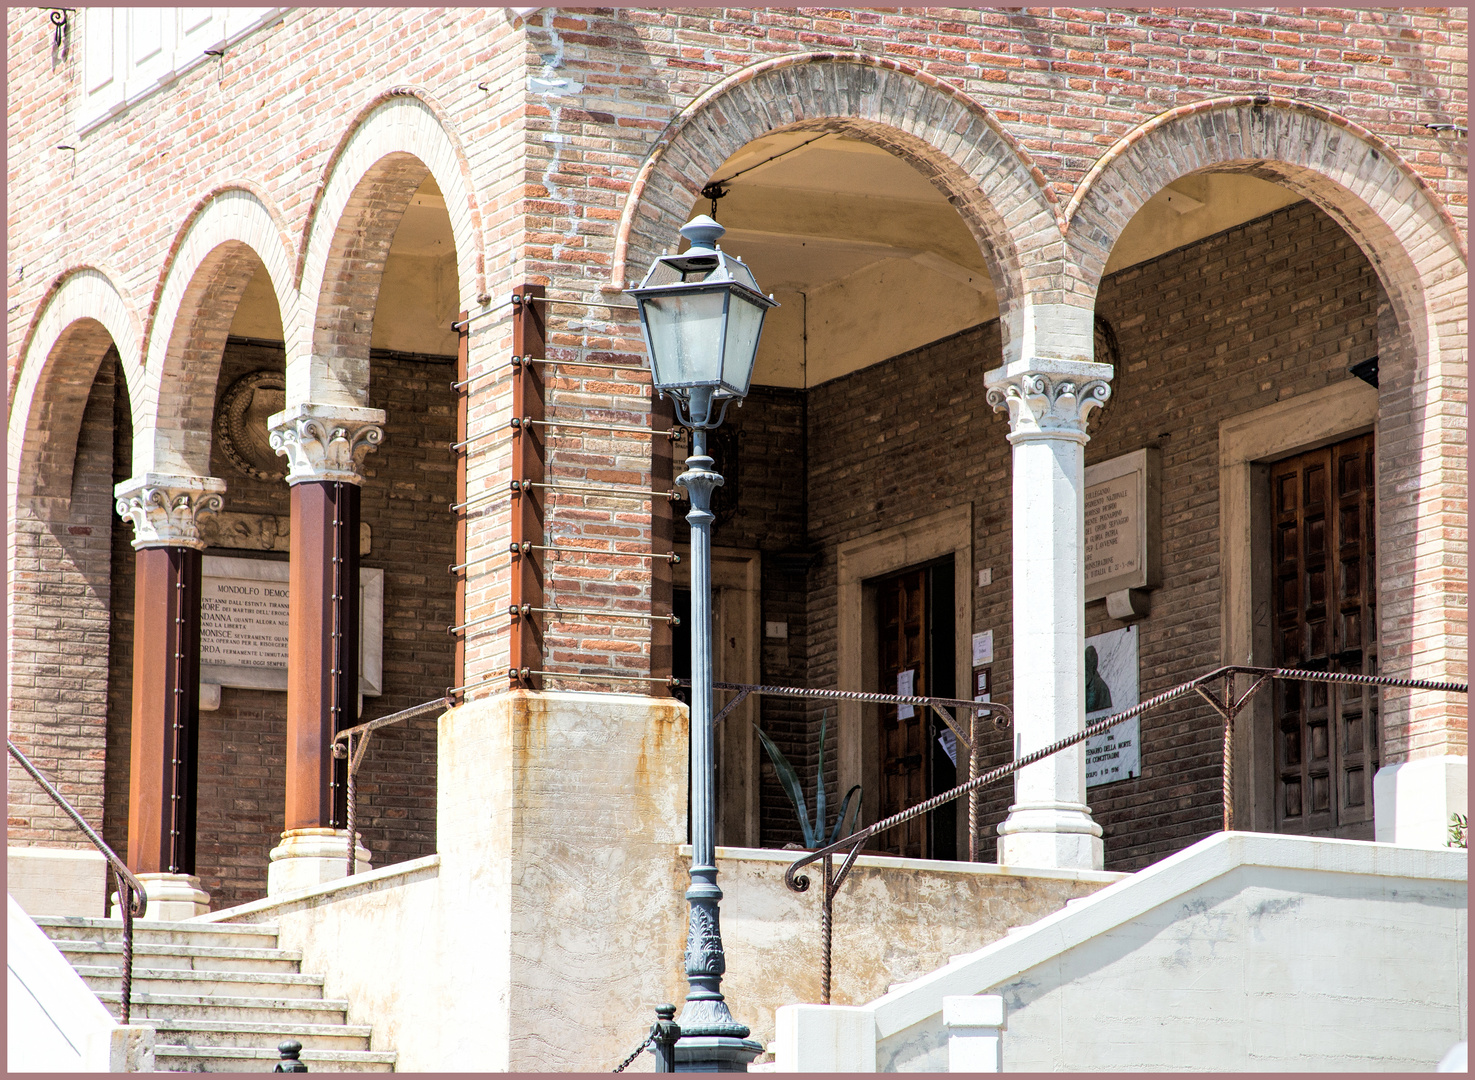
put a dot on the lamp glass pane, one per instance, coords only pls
(744, 324)
(685, 338)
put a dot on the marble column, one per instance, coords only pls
(164, 743)
(1048, 400)
(325, 446)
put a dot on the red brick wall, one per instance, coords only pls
(59, 638)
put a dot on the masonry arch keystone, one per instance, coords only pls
(384, 155)
(83, 314)
(213, 258)
(936, 128)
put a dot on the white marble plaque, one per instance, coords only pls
(1121, 525)
(243, 625)
(1111, 686)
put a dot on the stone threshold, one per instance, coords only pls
(896, 862)
(387, 877)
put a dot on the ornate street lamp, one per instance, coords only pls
(702, 314)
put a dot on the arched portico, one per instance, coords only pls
(1418, 255)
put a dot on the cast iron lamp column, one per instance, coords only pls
(702, 315)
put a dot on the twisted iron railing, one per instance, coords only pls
(1227, 706)
(131, 897)
(351, 744)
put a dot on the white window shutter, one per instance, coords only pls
(151, 33)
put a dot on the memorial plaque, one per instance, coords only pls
(243, 625)
(1112, 686)
(1121, 524)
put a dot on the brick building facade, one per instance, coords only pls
(325, 196)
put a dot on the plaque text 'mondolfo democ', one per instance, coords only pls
(243, 622)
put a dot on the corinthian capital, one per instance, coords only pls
(164, 509)
(326, 442)
(1049, 399)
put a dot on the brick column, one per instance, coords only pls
(325, 447)
(1049, 823)
(162, 774)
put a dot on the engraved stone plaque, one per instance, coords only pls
(243, 625)
(1121, 524)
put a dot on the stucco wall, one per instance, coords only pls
(552, 920)
(1245, 952)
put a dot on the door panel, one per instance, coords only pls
(1327, 736)
(901, 612)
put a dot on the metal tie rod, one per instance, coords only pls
(526, 546)
(454, 630)
(518, 487)
(570, 303)
(526, 609)
(515, 422)
(517, 361)
(523, 673)
(460, 323)
(518, 423)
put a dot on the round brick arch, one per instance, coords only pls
(395, 142)
(1419, 256)
(229, 233)
(938, 130)
(1409, 238)
(83, 315)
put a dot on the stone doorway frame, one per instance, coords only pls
(875, 555)
(737, 575)
(1247, 444)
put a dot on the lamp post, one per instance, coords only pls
(702, 314)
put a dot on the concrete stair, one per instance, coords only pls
(219, 997)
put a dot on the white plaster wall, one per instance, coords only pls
(57, 881)
(552, 921)
(54, 1022)
(1352, 958)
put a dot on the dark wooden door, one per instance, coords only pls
(1327, 736)
(901, 610)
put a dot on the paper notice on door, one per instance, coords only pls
(906, 686)
(949, 745)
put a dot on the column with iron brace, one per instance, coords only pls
(163, 777)
(325, 446)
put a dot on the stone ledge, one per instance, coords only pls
(896, 862)
(341, 889)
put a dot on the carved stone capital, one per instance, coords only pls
(1049, 399)
(326, 442)
(164, 509)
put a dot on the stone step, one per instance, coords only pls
(281, 1010)
(77, 928)
(254, 1035)
(171, 1058)
(265, 984)
(183, 957)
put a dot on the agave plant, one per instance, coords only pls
(814, 832)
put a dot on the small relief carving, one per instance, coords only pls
(241, 424)
(704, 944)
(259, 532)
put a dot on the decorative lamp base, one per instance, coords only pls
(172, 898)
(311, 857)
(715, 1053)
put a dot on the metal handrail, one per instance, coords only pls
(134, 901)
(344, 749)
(1227, 708)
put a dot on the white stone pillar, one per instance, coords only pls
(1049, 824)
(975, 1033)
(1414, 801)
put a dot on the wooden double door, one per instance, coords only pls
(1324, 607)
(915, 633)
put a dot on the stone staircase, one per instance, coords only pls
(219, 997)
